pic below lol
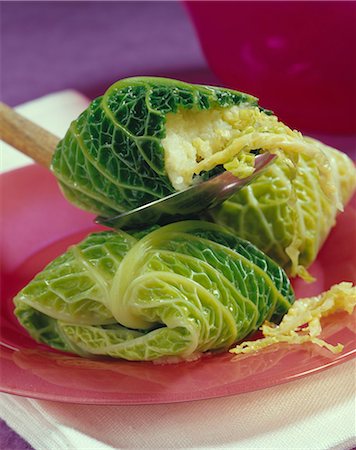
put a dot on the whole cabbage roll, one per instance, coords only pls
(176, 291)
(146, 138)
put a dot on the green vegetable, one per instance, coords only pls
(178, 291)
(112, 158)
(148, 137)
(286, 212)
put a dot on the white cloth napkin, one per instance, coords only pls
(316, 412)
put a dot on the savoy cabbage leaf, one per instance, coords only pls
(146, 137)
(179, 290)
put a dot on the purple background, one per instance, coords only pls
(50, 46)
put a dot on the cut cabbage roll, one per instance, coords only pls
(178, 291)
(146, 138)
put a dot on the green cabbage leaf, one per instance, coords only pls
(176, 291)
(111, 159)
(145, 138)
(286, 211)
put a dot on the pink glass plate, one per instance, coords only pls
(38, 224)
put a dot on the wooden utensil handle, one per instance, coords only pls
(26, 136)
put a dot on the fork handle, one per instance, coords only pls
(26, 136)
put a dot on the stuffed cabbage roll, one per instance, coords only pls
(173, 292)
(146, 138)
